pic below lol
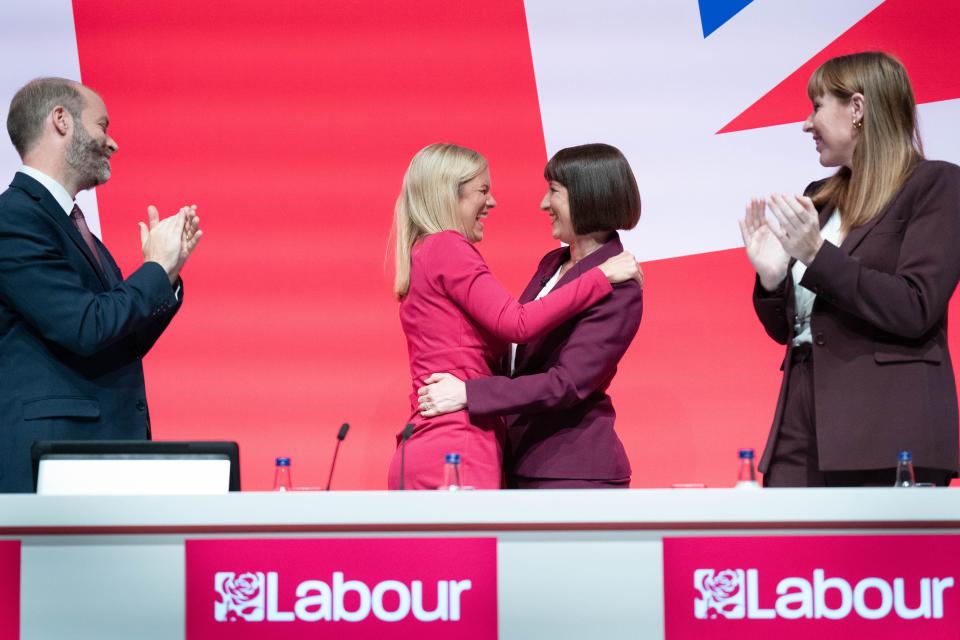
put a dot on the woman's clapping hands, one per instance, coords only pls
(769, 248)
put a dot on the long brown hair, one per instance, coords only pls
(888, 143)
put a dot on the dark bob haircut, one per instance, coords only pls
(601, 189)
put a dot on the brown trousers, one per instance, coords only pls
(795, 461)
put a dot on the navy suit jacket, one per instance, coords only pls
(71, 335)
(562, 420)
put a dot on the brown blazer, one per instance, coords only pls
(883, 379)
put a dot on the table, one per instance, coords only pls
(571, 564)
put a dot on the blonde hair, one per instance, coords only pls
(429, 198)
(888, 144)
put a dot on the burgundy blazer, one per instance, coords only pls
(561, 421)
(883, 379)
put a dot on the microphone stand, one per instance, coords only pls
(404, 436)
(340, 436)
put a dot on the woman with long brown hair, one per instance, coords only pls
(854, 278)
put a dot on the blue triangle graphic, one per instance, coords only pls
(715, 13)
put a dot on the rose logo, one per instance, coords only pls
(722, 587)
(241, 597)
(720, 595)
(242, 588)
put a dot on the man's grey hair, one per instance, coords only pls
(34, 101)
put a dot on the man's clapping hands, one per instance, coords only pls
(169, 242)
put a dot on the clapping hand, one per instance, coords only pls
(191, 233)
(764, 249)
(169, 242)
(799, 231)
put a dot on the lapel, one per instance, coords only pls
(51, 207)
(548, 267)
(825, 213)
(856, 236)
(609, 249)
(110, 271)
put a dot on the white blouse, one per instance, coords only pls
(803, 297)
(547, 288)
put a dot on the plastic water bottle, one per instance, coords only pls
(747, 476)
(905, 477)
(451, 472)
(282, 481)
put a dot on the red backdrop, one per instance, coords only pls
(290, 125)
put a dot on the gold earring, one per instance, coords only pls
(858, 124)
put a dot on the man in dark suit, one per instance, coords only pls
(72, 330)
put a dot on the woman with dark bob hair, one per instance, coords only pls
(560, 425)
(855, 279)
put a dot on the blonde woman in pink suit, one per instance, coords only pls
(457, 317)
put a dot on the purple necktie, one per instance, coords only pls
(81, 224)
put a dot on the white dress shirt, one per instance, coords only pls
(55, 188)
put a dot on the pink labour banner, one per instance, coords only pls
(10, 589)
(812, 586)
(345, 589)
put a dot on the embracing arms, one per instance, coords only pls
(464, 276)
(586, 361)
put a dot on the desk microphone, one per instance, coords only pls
(340, 436)
(404, 436)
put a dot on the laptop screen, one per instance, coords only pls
(136, 468)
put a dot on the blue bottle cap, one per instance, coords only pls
(283, 462)
(746, 453)
(905, 456)
(452, 458)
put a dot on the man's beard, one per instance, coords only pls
(88, 159)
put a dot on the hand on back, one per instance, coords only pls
(622, 267)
